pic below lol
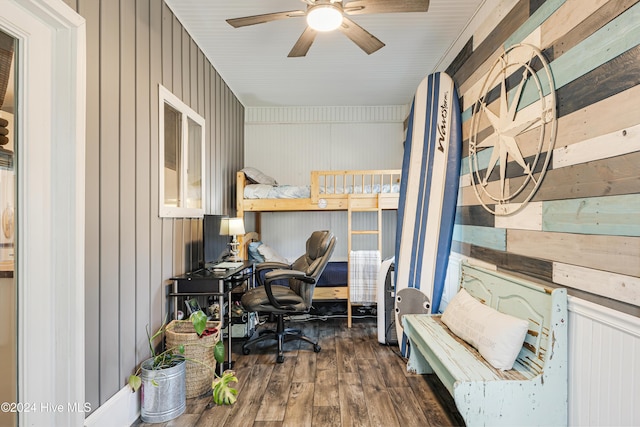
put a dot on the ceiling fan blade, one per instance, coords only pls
(364, 39)
(261, 19)
(304, 43)
(361, 7)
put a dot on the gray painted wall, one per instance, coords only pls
(132, 46)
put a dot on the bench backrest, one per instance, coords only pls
(545, 309)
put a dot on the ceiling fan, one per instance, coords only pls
(329, 15)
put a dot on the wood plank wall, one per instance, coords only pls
(582, 228)
(132, 46)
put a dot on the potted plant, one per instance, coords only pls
(162, 376)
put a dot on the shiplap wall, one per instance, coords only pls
(132, 46)
(287, 143)
(582, 228)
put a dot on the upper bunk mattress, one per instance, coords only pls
(264, 191)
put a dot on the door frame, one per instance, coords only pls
(50, 170)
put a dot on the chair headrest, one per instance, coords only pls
(318, 243)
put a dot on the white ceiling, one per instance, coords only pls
(253, 60)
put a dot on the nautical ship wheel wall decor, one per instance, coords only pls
(513, 130)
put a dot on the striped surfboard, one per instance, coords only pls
(428, 197)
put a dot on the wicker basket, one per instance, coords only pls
(199, 378)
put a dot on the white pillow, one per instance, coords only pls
(270, 255)
(257, 177)
(497, 336)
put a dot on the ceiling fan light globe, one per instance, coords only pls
(324, 18)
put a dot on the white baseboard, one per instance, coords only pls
(123, 409)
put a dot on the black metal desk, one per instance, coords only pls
(213, 282)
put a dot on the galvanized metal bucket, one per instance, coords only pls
(166, 400)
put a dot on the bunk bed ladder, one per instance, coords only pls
(358, 203)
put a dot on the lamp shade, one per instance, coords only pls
(231, 226)
(324, 17)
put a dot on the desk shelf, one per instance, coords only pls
(220, 284)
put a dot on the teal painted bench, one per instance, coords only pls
(534, 392)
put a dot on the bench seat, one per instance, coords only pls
(453, 359)
(534, 392)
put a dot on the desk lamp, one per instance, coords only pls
(232, 227)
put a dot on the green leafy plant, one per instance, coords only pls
(223, 393)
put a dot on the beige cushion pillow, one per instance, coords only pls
(257, 177)
(498, 337)
(270, 255)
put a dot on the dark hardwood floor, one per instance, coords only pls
(352, 381)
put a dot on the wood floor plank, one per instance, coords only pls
(197, 404)
(349, 378)
(184, 420)
(245, 361)
(282, 371)
(327, 341)
(362, 344)
(353, 407)
(370, 374)
(273, 406)
(408, 409)
(326, 390)
(326, 416)
(381, 407)
(435, 408)
(345, 355)
(250, 397)
(298, 406)
(344, 390)
(393, 372)
(219, 414)
(214, 415)
(327, 357)
(305, 367)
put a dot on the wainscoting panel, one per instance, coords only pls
(604, 367)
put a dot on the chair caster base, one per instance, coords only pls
(280, 359)
(317, 348)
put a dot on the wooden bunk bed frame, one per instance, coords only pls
(329, 193)
(324, 188)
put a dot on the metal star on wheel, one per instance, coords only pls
(503, 140)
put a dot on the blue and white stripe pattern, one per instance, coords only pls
(429, 190)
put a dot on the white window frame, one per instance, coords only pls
(166, 211)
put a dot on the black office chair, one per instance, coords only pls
(296, 298)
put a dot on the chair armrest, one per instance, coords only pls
(288, 274)
(283, 274)
(268, 265)
(272, 265)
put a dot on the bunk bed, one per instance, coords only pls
(343, 190)
(328, 190)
